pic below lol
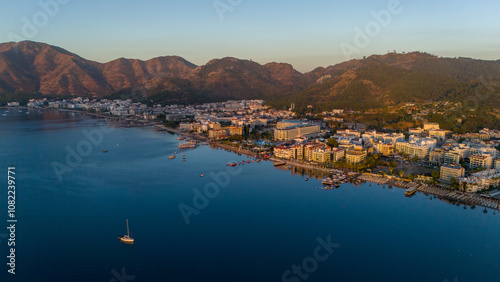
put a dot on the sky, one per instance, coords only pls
(306, 34)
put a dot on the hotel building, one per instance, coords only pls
(451, 171)
(485, 161)
(289, 130)
(355, 156)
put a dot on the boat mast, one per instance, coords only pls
(128, 234)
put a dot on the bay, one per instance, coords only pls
(256, 228)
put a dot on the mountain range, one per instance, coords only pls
(29, 68)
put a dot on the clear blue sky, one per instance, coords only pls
(306, 34)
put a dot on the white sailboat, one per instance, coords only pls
(126, 238)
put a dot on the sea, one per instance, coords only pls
(251, 222)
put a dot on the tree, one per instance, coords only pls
(463, 186)
(435, 174)
(453, 180)
(391, 169)
(332, 142)
(238, 138)
(401, 173)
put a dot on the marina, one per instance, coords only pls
(442, 193)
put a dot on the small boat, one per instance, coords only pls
(126, 238)
(104, 151)
(307, 179)
(180, 138)
(327, 181)
(171, 157)
(201, 175)
(187, 146)
(249, 162)
(234, 164)
(184, 160)
(183, 155)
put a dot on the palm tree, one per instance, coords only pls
(401, 173)
(391, 169)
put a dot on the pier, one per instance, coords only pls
(442, 193)
(461, 197)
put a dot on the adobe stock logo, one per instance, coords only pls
(121, 277)
(222, 7)
(363, 37)
(309, 265)
(201, 199)
(48, 9)
(74, 157)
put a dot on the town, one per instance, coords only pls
(417, 157)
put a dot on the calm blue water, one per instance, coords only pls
(265, 221)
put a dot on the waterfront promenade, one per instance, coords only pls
(234, 149)
(443, 193)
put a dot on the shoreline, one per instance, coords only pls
(441, 193)
(234, 149)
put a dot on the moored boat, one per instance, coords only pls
(327, 181)
(126, 238)
(187, 146)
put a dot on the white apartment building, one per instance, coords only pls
(476, 161)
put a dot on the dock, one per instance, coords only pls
(278, 163)
(442, 193)
(461, 197)
(410, 191)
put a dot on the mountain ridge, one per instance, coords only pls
(37, 68)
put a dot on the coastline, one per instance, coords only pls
(441, 193)
(453, 196)
(233, 149)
